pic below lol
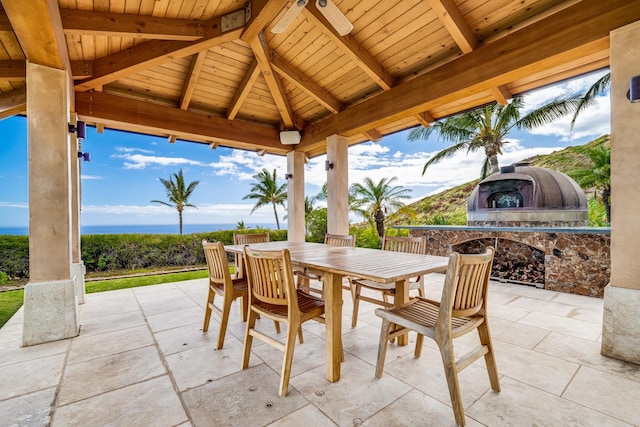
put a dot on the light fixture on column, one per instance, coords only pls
(80, 129)
(84, 156)
(328, 165)
(288, 176)
(633, 94)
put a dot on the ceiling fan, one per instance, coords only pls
(330, 11)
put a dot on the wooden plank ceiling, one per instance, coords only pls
(213, 71)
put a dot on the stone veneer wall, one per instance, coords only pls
(577, 260)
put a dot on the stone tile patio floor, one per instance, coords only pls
(141, 359)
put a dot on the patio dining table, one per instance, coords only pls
(335, 263)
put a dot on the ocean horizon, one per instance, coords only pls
(144, 229)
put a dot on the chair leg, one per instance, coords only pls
(248, 338)
(300, 338)
(382, 346)
(489, 359)
(207, 310)
(289, 346)
(244, 307)
(419, 342)
(356, 303)
(226, 309)
(451, 372)
(276, 324)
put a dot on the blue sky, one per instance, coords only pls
(122, 177)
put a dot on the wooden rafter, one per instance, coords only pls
(373, 135)
(573, 33)
(156, 52)
(261, 52)
(147, 117)
(12, 103)
(243, 90)
(353, 49)
(192, 78)
(456, 25)
(502, 94)
(262, 13)
(424, 118)
(92, 22)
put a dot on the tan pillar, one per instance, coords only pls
(295, 197)
(621, 320)
(338, 185)
(50, 309)
(77, 266)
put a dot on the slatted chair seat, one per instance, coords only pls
(462, 309)
(414, 245)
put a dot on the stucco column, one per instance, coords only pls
(50, 309)
(337, 185)
(295, 197)
(77, 266)
(621, 321)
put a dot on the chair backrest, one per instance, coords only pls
(339, 240)
(270, 276)
(413, 245)
(465, 287)
(217, 263)
(249, 238)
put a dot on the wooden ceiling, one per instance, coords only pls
(213, 72)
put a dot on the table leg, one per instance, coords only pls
(333, 324)
(402, 297)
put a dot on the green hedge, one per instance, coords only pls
(112, 252)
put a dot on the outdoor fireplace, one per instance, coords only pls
(527, 196)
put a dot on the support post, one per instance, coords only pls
(296, 230)
(337, 185)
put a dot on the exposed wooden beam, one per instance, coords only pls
(456, 25)
(353, 49)
(38, 27)
(502, 94)
(307, 85)
(261, 52)
(243, 90)
(5, 25)
(373, 135)
(425, 118)
(156, 52)
(146, 117)
(11, 70)
(192, 78)
(12, 103)
(96, 23)
(572, 33)
(262, 13)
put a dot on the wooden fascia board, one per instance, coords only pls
(243, 90)
(96, 23)
(311, 88)
(140, 116)
(456, 25)
(262, 13)
(155, 52)
(14, 102)
(38, 28)
(565, 36)
(365, 61)
(261, 53)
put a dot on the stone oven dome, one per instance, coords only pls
(525, 195)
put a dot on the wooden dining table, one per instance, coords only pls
(335, 263)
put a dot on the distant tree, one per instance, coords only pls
(178, 193)
(487, 127)
(598, 176)
(266, 190)
(240, 225)
(375, 200)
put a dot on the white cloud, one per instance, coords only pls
(133, 150)
(90, 177)
(141, 161)
(14, 205)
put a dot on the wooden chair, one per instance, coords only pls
(273, 294)
(247, 239)
(305, 276)
(462, 309)
(221, 283)
(414, 245)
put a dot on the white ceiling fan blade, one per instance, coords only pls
(335, 16)
(289, 16)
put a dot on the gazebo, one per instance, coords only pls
(300, 79)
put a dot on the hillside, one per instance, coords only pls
(450, 206)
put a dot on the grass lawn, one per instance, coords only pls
(11, 301)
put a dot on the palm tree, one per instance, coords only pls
(178, 194)
(598, 176)
(487, 127)
(267, 191)
(374, 200)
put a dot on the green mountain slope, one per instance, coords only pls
(450, 206)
